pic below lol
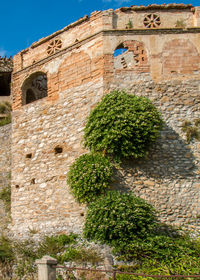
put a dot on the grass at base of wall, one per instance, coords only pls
(5, 112)
(6, 120)
(5, 195)
(17, 258)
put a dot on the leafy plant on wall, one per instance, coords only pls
(89, 177)
(123, 126)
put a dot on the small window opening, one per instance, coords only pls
(58, 150)
(33, 181)
(29, 155)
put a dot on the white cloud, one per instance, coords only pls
(2, 52)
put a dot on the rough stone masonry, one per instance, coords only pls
(152, 51)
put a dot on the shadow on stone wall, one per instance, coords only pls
(169, 158)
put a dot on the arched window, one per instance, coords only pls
(130, 55)
(34, 88)
(120, 50)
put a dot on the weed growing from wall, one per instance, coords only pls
(123, 125)
(192, 130)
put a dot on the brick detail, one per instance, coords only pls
(180, 56)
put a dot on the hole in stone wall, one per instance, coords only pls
(82, 214)
(58, 150)
(133, 55)
(29, 155)
(17, 186)
(33, 181)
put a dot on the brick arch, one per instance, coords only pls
(180, 56)
(74, 70)
(134, 58)
(34, 87)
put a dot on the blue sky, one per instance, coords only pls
(23, 22)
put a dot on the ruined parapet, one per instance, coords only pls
(6, 66)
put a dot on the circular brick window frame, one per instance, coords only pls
(152, 21)
(54, 46)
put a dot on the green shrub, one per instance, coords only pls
(89, 176)
(5, 120)
(6, 250)
(186, 265)
(5, 108)
(118, 218)
(81, 255)
(123, 125)
(52, 245)
(159, 247)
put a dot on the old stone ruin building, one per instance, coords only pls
(152, 51)
(6, 66)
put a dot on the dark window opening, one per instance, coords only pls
(5, 80)
(30, 96)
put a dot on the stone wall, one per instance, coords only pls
(169, 178)
(5, 155)
(80, 68)
(39, 188)
(5, 168)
